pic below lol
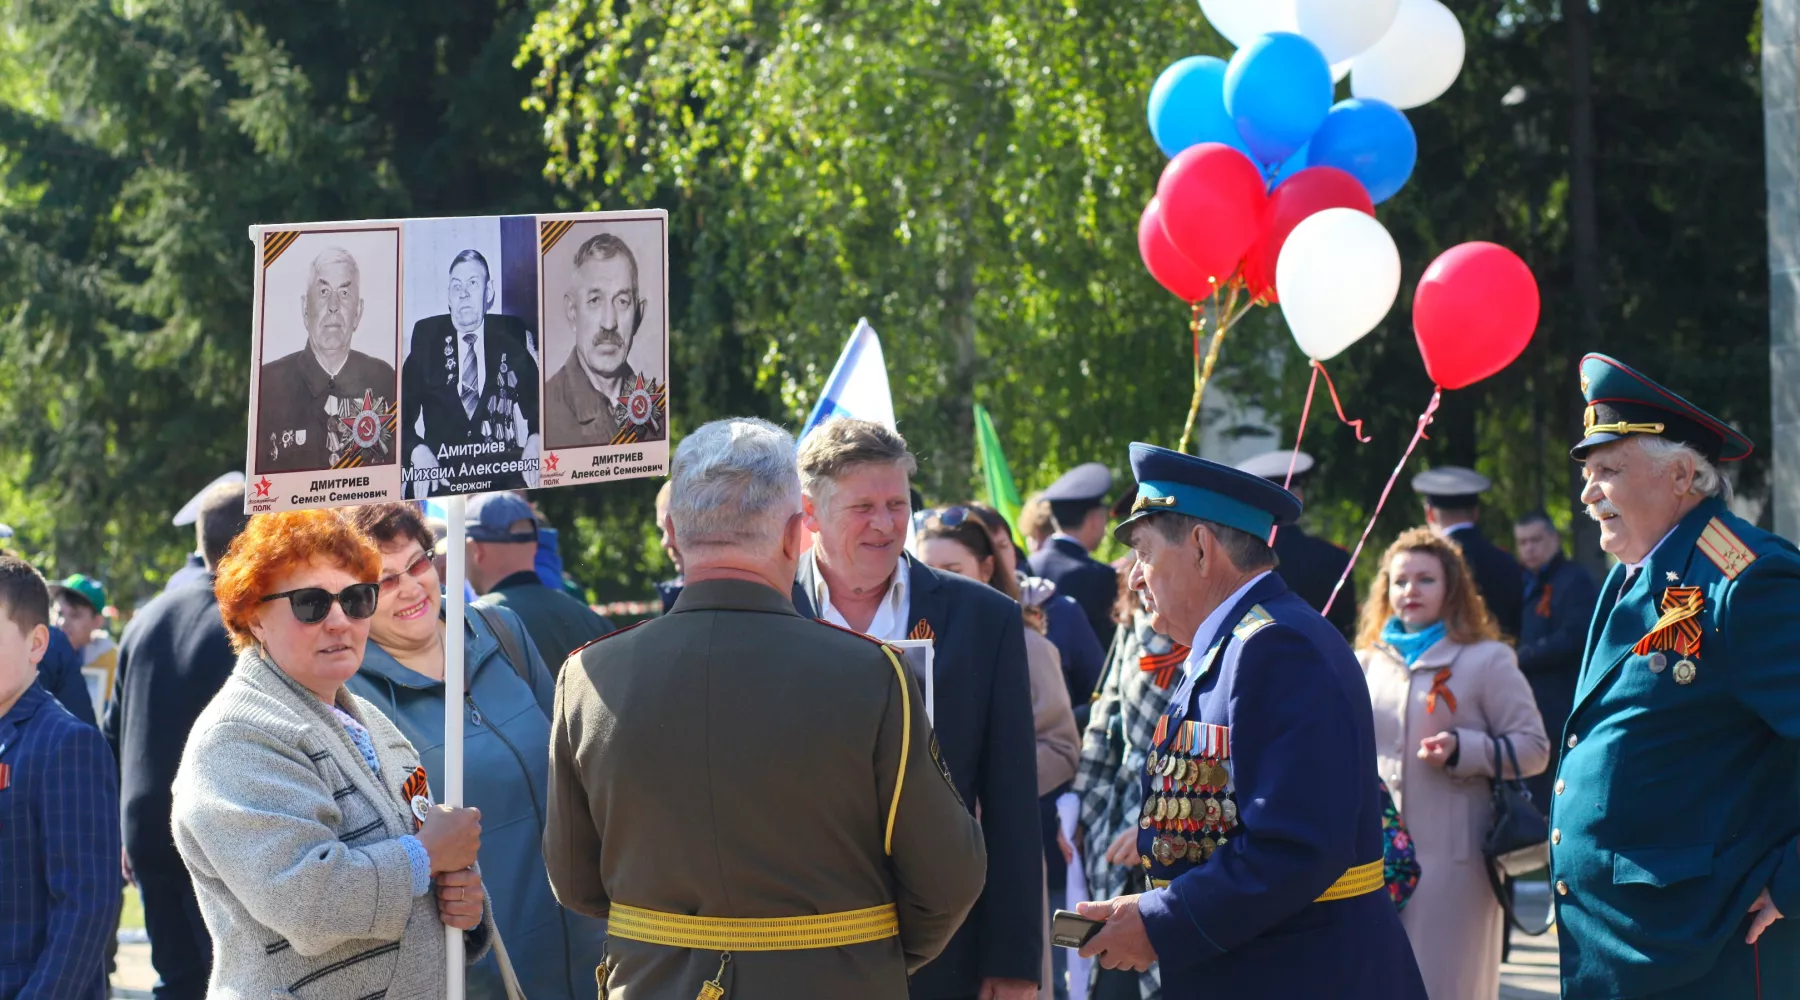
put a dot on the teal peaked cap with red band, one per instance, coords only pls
(1622, 402)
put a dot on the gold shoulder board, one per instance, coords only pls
(1254, 621)
(1726, 550)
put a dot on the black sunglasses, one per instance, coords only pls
(312, 604)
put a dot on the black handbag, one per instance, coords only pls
(1518, 836)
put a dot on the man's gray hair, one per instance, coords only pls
(606, 246)
(338, 255)
(1247, 552)
(1708, 480)
(842, 443)
(735, 485)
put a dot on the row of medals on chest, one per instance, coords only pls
(1188, 803)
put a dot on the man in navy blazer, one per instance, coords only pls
(853, 474)
(1261, 831)
(59, 817)
(1452, 496)
(1078, 510)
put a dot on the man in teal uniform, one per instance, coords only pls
(1675, 809)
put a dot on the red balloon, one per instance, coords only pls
(1308, 191)
(1475, 310)
(1166, 264)
(1212, 197)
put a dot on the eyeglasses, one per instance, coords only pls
(416, 569)
(312, 604)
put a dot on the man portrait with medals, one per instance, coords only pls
(1675, 814)
(326, 405)
(469, 422)
(1260, 832)
(596, 393)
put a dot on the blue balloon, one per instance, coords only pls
(1371, 141)
(1277, 91)
(1187, 106)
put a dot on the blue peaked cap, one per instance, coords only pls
(1174, 483)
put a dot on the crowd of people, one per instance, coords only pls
(1244, 784)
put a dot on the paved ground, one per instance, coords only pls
(1531, 975)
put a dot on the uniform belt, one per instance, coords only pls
(1357, 881)
(824, 930)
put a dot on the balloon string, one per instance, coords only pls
(1356, 426)
(1299, 435)
(1437, 396)
(1196, 324)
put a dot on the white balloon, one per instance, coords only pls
(1338, 276)
(1243, 21)
(1344, 28)
(1416, 61)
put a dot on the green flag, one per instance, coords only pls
(996, 475)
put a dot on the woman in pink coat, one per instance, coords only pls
(1442, 684)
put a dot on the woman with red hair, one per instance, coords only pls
(300, 810)
(1446, 692)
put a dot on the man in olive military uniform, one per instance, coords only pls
(734, 779)
(469, 423)
(1452, 496)
(1310, 566)
(326, 402)
(587, 401)
(1674, 848)
(1261, 827)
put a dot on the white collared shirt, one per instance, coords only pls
(1068, 538)
(1631, 569)
(1209, 629)
(890, 623)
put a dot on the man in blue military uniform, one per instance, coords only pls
(1452, 496)
(1311, 567)
(1078, 510)
(1261, 825)
(1675, 813)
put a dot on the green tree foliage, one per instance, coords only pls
(969, 175)
(138, 140)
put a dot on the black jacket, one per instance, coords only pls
(1497, 575)
(1093, 584)
(174, 657)
(1559, 606)
(983, 722)
(1311, 567)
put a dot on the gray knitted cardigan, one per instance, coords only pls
(295, 852)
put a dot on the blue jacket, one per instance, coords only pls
(1676, 803)
(1093, 584)
(1282, 689)
(1068, 630)
(983, 723)
(60, 674)
(506, 761)
(59, 853)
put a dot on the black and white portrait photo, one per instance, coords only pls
(606, 341)
(325, 392)
(470, 381)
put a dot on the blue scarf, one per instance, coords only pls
(1410, 645)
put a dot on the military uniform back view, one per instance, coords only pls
(755, 801)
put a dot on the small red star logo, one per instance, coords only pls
(550, 461)
(262, 487)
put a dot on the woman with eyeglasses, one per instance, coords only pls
(508, 696)
(321, 866)
(954, 540)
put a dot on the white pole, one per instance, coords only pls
(454, 612)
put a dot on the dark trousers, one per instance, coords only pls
(1110, 984)
(180, 948)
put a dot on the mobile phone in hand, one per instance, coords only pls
(1072, 930)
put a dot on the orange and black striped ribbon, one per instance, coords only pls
(415, 786)
(1440, 685)
(1163, 665)
(1543, 605)
(551, 231)
(274, 244)
(1679, 626)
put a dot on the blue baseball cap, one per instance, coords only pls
(1174, 483)
(490, 518)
